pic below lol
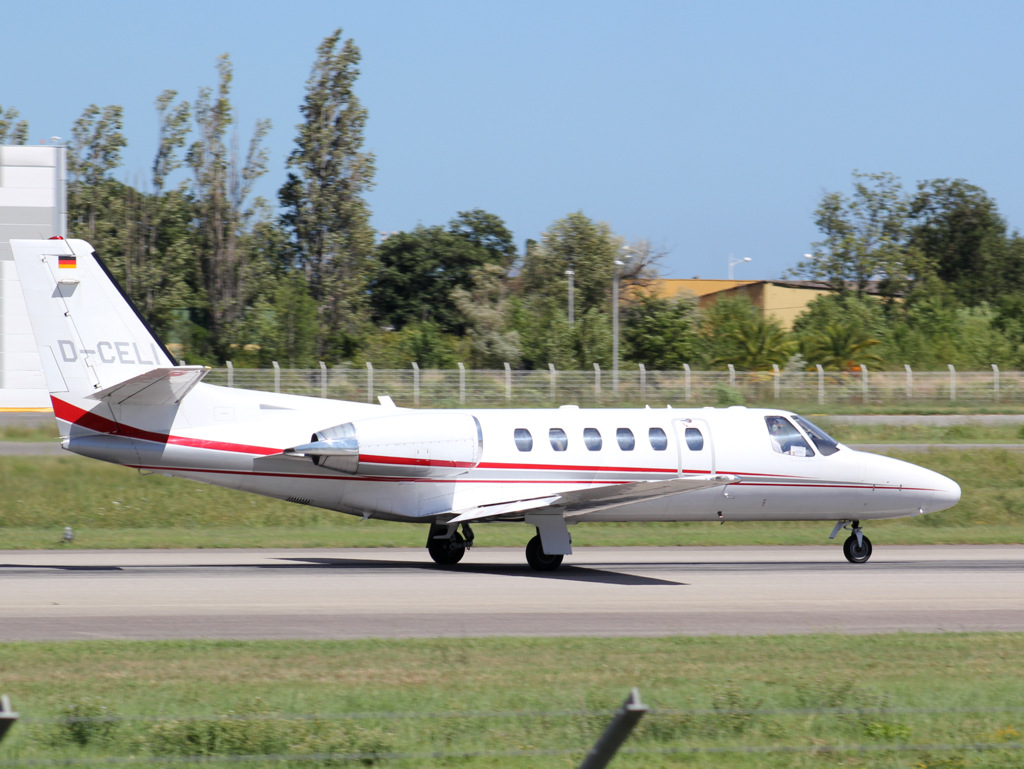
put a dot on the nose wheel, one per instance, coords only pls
(857, 552)
(857, 547)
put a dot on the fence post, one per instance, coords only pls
(7, 716)
(732, 375)
(551, 367)
(952, 382)
(508, 382)
(462, 384)
(775, 388)
(864, 381)
(910, 380)
(995, 382)
(323, 379)
(277, 377)
(643, 383)
(231, 373)
(821, 384)
(618, 729)
(597, 381)
(686, 379)
(369, 382)
(415, 383)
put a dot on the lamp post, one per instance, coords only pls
(734, 262)
(615, 317)
(572, 298)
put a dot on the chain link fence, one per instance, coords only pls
(633, 386)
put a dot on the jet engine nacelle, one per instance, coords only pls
(414, 444)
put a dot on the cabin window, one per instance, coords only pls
(559, 440)
(625, 438)
(659, 441)
(694, 439)
(524, 441)
(592, 438)
(786, 439)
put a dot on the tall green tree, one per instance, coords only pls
(222, 182)
(661, 333)
(866, 238)
(95, 198)
(957, 227)
(576, 243)
(416, 272)
(12, 130)
(325, 212)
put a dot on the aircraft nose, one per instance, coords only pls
(948, 492)
(940, 492)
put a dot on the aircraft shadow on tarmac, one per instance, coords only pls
(566, 573)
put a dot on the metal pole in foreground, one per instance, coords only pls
(616, 732)
(7, 716)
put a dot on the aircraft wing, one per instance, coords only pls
(576, 503)
(158, 387)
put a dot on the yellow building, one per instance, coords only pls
(781, 299)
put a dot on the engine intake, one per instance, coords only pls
(414, 444)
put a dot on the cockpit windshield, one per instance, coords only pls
(826, 444)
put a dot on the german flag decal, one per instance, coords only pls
(67, 262)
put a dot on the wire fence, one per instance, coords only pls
(633, 386)
(932, 737)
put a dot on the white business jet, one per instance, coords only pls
(118, 396)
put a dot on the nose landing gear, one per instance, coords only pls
(857, 547)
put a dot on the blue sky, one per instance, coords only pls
(710, 129)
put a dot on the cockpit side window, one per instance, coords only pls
(824, 442)
(786, 439)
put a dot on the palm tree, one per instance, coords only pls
(840, 347)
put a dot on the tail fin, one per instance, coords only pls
(90, 335)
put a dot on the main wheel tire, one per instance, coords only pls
(857, 553)
(447, 552)
(538, 559)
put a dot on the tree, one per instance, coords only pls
(957, 227)
(866, 238)
(661, 333)
(12, 130)
(486, 308)
(94, 197)
(326, 216)
(416, 272)
(736, 332)
(222, 182)
(574, 243)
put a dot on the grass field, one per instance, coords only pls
(752, 702)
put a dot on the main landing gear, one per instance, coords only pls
(446, 546)
(538, 559)
(857, 547)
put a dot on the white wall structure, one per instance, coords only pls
(33, 204)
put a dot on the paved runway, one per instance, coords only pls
(399, 593)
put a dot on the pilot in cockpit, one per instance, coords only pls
(786, 439)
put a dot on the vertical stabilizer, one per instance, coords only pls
(89, 334)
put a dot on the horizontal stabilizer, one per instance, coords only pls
(576, 503)
(157, 387)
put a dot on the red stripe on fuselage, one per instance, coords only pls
(101, 424)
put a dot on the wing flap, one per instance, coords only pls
(157, 387)
(582, 501)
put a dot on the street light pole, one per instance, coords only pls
(572, 298)
(734, 262)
